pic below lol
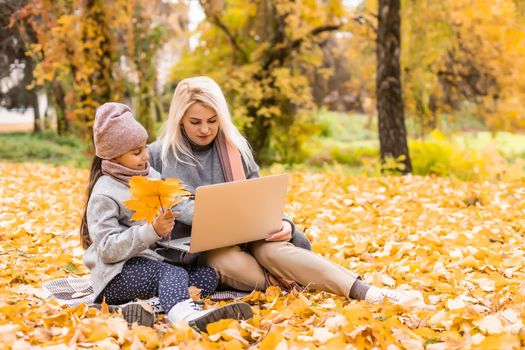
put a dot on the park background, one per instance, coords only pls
(346, 95)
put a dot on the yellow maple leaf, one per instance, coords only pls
(148, 196)
(273, 341)
(221, 325)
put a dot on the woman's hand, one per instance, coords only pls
(164, 222)
(284, 235)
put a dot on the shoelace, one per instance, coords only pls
(391, 295)
(195, 306)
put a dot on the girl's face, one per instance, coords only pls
(201, 124)
(135, 159)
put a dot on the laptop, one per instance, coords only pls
(236, 212)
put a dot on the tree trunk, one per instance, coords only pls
(391, 119)
(37, 128)
(33, 97)
(259, 135)
(60, 108)
(144, 112)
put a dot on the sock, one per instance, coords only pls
(359, 290)
(374, 295)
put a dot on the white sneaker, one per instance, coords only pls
(188, 312)
(140, 312)
(377, 295)
(154, 303)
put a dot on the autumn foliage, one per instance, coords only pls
(278, 62)
(150, 196)
(458, 58)
(460, 243)
(90, 52)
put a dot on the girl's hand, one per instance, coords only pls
(164, 222)
(284, 235)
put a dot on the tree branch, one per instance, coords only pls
(327, 28)
(217, 21)
(360, 19)
(283, 52)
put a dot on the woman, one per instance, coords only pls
(199, 144)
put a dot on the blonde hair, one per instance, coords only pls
(206, 91)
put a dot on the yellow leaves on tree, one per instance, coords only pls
(148, 196)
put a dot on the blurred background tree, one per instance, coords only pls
(390, 108)
(269, 57)
(16, 68)
(286, 67)
(89, 52)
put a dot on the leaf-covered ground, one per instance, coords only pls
(459, 243)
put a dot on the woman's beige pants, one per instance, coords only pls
(243, 270)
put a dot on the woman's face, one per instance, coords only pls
(201, 124)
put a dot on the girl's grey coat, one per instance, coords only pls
(116, 238)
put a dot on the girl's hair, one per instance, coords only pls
(205, 91)
(94, 174)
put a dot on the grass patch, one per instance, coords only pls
(349, 140)
(345, 127)
(347, 144)
(46, 147)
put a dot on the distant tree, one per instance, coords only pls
(75, 58)
(15, 39)
(391, 118)
(91, 51)
(473, 66)
(266, 55)
(455, 61)
(142, 39)
(485, 66)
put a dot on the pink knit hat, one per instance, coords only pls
(116, 131)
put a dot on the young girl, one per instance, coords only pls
(123, 267)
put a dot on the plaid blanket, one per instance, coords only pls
(74, 291)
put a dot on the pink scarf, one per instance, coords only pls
(230, 159)
(121, 173)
